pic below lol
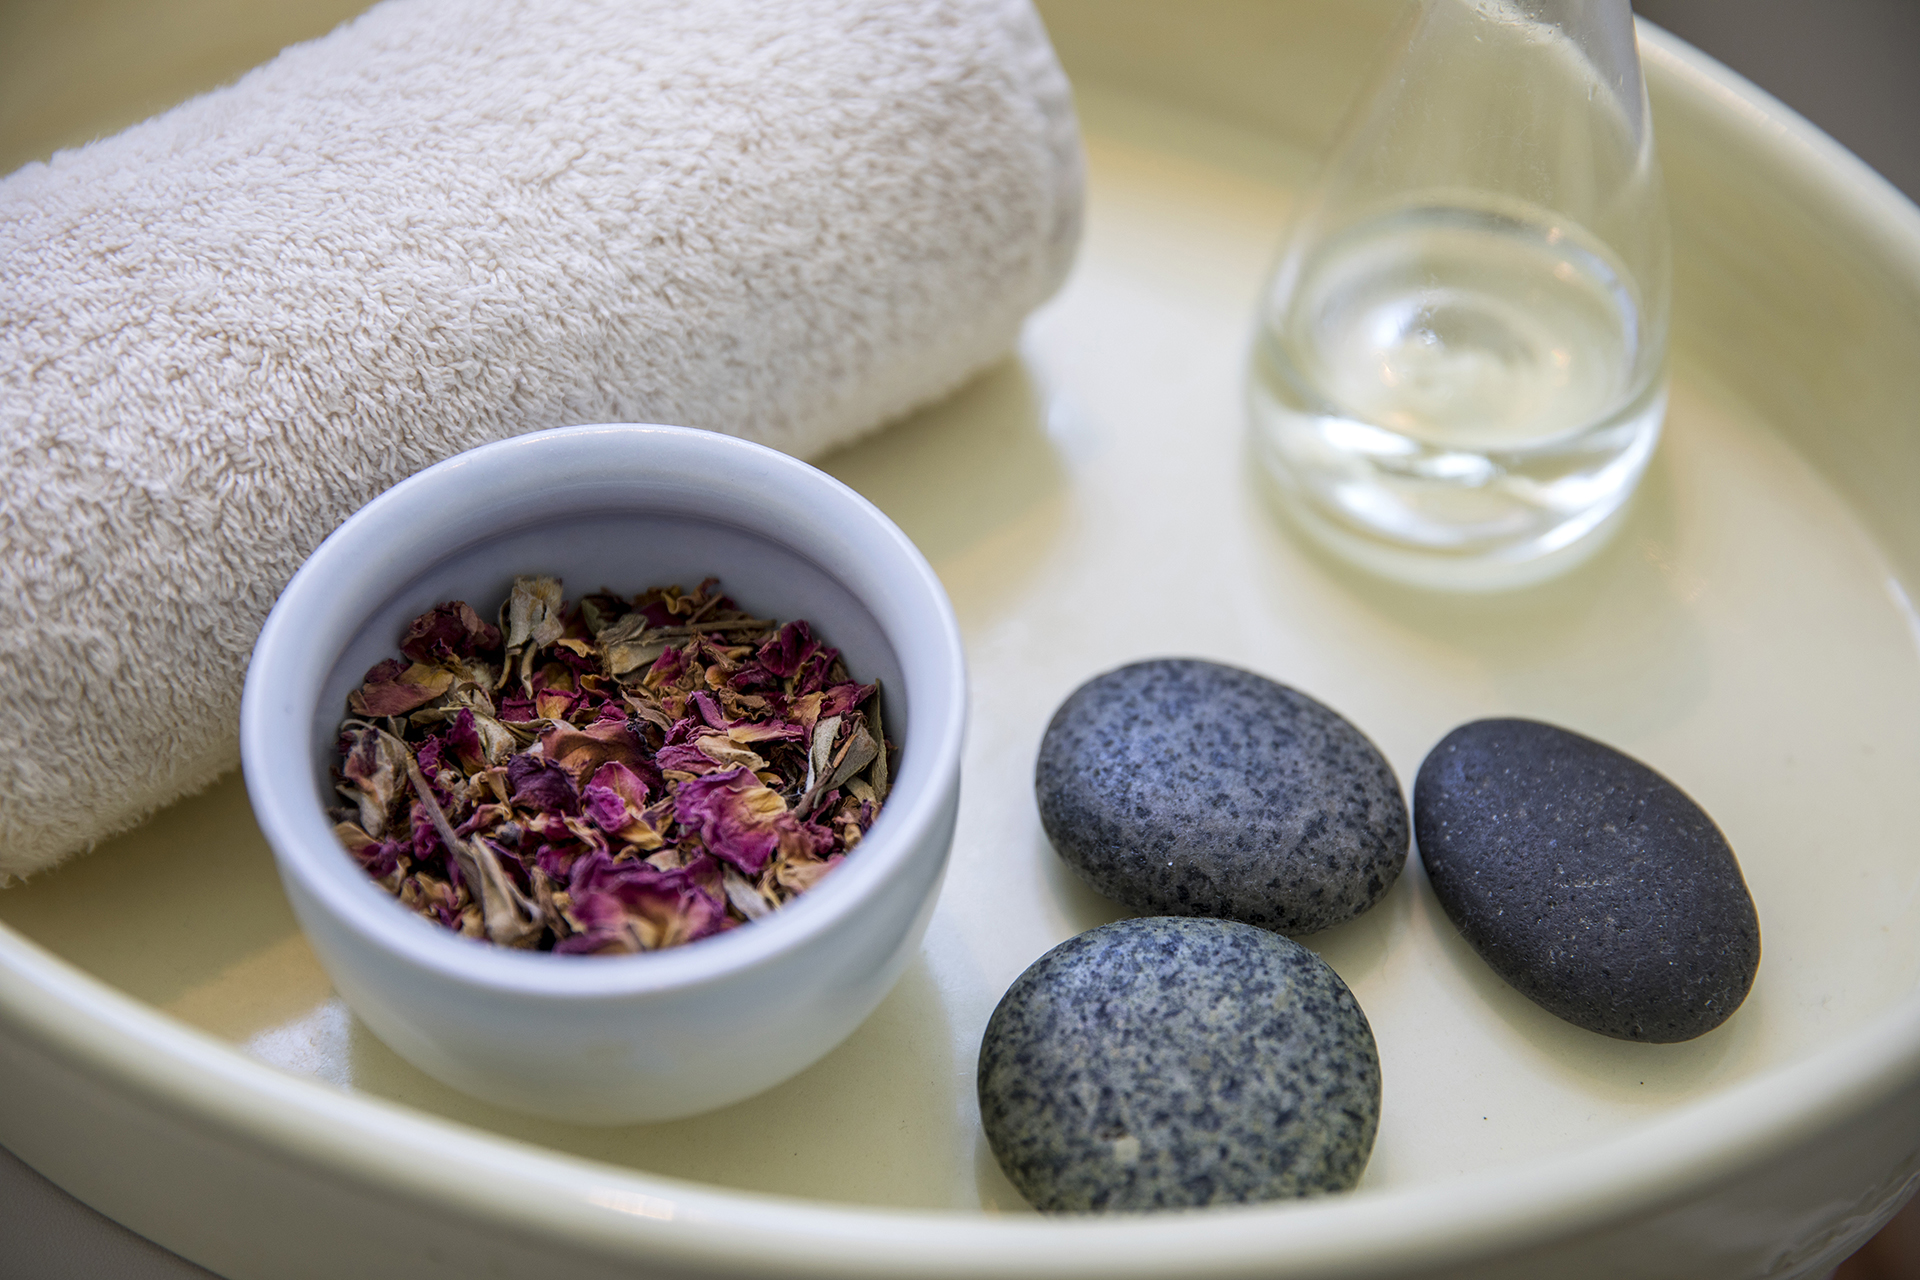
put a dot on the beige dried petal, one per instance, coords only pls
(533, 612)
(553, 904)
(626, 657)
(745, 898)
(351, 837)
(376, 762)
(855, 756)
(723, 750)
(643, 705)
(820, 751)
(879, 774)
(630, 627)
(472, 678)
(497, 742)
(800, 872)
(510, 918)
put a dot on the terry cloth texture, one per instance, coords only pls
(447, 222)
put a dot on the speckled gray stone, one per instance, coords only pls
(1190, 788)
(1588, 881)
(1163, 1063)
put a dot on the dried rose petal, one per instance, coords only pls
(790, 646)
(374, 771)
(638, 907)
(802, 873)
(537, 783)
(527, 797)
(842, 698)
(581, 751)
(450, 630)
(738, 817)
(393, 690)
(605, 807)
(532, 612)
(464, 739)
(623, 782)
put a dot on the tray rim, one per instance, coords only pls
(621, 1213)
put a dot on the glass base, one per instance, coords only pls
(1470, 522)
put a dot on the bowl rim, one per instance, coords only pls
(625, 1214)
(293, 658)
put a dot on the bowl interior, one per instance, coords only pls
(624, 552)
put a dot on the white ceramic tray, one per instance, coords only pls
(1749, 634)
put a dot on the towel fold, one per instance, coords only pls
(450, 221)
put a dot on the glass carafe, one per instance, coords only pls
(1460, 367)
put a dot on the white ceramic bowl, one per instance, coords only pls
(667, 1033)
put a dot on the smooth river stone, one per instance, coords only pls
(1168, 1062)
(1588, 881)
(1189, 788)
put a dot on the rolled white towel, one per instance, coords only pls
(450, 221)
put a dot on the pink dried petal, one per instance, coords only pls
(805, 712)
(393, 690)
(577, 662)
(484, 817)
(752, 676)
(738, 817)
(788, 648)
(803, 839)
(424, 839)
(684, 758)
(385, 671)
(605, 807)
(725, 752)
(541, 785)
(842, 698)
(708, 709)
(558, 860)
(464, 738)
(381, 858)
(628, 906)
(623, 782)
(547, 826)
(812, 675)
(583, 830)
(450, 630)
(666, 669)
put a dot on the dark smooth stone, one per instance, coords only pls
(1588, 881)
(1189, 788)
(1163, 1063)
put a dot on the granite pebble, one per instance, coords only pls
(1184, 787)
(1589, 882)
(1160, 1063)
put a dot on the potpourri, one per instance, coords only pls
(611, 777)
